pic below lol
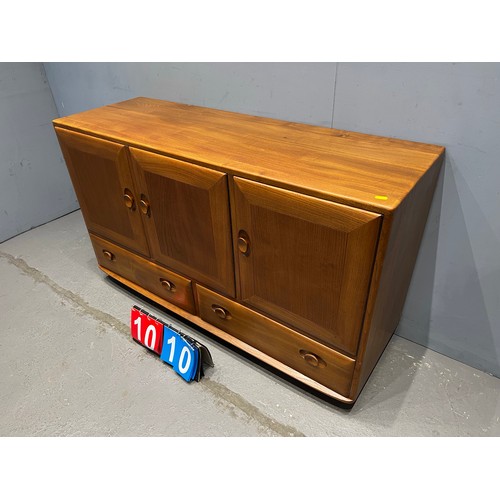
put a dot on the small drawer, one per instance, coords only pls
(318, 362)
(158, 280)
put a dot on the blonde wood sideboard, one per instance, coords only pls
(292, 242)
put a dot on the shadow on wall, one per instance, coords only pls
(446, 308)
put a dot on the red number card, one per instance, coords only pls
(146, 330)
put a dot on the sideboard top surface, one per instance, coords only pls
(365, 171)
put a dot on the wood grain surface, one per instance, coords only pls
(358, 169)
(309, 261)
(101, 177)
(188, 226)
(399, 244)
(327, 366)
(162, 282)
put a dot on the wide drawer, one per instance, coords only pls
(158, 280)
(318, 362)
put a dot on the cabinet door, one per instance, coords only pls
(103, 183)
(186, 215)
(307, 262)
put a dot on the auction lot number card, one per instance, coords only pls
(146, 329)
(185, 354)
(179, 353)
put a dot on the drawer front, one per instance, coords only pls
(318, 362)
(158, 280)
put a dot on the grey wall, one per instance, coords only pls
(34, 183)
(300, 92)
(453, 304)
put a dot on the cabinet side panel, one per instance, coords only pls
(398, 248)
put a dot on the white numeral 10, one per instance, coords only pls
(183, 364)
(149, 337)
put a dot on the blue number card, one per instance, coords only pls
(180, 353)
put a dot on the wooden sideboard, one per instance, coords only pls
(294, 243)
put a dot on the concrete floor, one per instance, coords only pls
(69, 367)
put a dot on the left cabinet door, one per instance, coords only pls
(103, 183)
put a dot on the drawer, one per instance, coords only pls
(318, 362)
(158, 280)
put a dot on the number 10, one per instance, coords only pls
(183, 364)
(149, 337)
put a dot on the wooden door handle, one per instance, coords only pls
(145, 206)
(221, 312)
(168, 285)
(243, 243)
(128, 199)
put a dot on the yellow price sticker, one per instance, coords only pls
(380, 197)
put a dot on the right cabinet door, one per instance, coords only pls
(307, 262)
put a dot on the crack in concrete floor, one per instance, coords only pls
(222, 393)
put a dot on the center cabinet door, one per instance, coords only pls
(307, 262)
(185, 209)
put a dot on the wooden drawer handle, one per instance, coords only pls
(168, 285)
(221, 312)
(108, 255)
(312, 359)
(128, 199)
